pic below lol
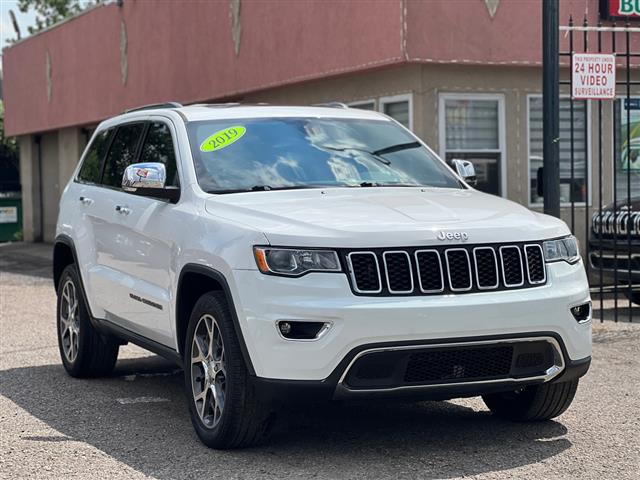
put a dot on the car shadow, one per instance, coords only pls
(30, 260)
(139, 417)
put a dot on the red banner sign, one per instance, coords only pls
(620, 9)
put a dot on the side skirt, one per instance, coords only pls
(109, 328)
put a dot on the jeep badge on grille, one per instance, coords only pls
(442, 235)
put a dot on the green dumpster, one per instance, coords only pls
(10, 216)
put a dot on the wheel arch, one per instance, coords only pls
(193, 282)
(64, 254)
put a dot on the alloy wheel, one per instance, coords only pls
(208, 371)
(69, 321)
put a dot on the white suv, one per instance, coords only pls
(280, 253)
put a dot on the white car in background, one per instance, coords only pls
(290, 253)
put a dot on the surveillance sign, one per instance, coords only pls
(593, 76)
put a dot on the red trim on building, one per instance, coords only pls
(185, 51)
(188, 55)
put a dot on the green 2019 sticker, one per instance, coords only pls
(222, 138)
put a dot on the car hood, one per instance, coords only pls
(380, 217)
(633, 205)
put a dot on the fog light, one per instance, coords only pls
(285, 328)
(581, 313)
(298, 330)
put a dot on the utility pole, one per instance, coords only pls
(550, 108)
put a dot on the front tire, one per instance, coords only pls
(533, 403)
(83, 350)
(224, 406)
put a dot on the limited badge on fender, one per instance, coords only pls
(222, 138)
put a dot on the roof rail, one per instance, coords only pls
(154, 106)
(331, 105)
(222, 105)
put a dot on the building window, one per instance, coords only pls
(627, 148)
(364, 105)
(571, 189)
(398, 107)
(472, 128)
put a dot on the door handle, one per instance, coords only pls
(122, 209)
(86, 201)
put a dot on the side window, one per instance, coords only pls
(92, 164)
(122, 153)
(158, 148)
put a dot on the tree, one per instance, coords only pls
(9, 160)
(50, 12)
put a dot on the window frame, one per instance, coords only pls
(502, 137)
(358, 103)
(588, 148)
(146, 121)
(405, 97)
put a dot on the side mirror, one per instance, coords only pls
(149, 180)
(466, 170)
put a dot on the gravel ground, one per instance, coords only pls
(135, 424)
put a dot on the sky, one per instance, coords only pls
(6, 28)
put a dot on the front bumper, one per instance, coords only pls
(356, 321)
(334, 388)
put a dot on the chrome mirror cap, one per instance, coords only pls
(144, 175)
(466, 170)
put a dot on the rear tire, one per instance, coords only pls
(83, 350)
(533, 403)
(225, 409)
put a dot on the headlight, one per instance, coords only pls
(562, 249)
(295, 262)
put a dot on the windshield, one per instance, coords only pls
(280, 153)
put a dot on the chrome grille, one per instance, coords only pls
(365, 272)
(486, 268)
(536, 272)
(430, 274)
(512, 268)
(397, 267)
(459, 269)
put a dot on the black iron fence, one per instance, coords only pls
(612, 214)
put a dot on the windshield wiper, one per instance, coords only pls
(356, 149)
(387, 184)
(267, 188)
(397, 148)
(377, 154)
